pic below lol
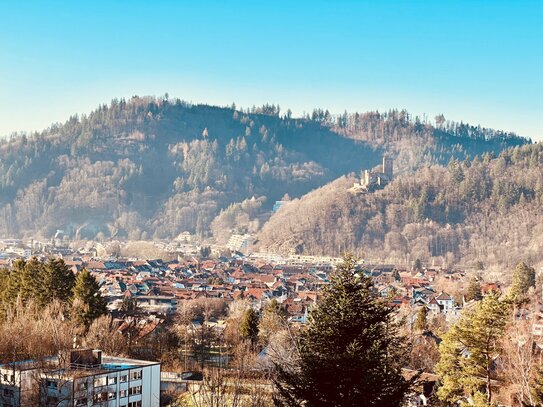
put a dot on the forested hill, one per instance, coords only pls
(152, 168)
(481, 212)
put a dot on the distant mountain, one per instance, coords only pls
(152, 168)
(485, 212)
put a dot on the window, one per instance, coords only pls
(100, 381)
(9, 393)
(52, 384)
(111, 395)
(134, 404)
(123, 393)
(82, 386)
(112, 380)
(123, 378)
(134, 390)
(135, 375)
(98, 397)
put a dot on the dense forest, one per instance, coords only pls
(481, 212)
(154, 167)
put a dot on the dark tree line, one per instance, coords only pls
(45, 282)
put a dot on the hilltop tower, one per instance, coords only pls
(388, 166)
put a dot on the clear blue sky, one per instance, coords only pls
(476, 61)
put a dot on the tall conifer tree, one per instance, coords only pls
(88, 303)
(59, 281)
(350, 353)
(469, 350)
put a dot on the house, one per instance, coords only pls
(433, 306)
(445, 301)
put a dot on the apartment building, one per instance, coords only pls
(80, 378)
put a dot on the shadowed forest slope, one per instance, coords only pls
(487, 210)
(151, 168)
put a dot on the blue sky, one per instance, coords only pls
(476, 61)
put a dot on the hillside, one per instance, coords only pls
(487, 210)
(152, 168)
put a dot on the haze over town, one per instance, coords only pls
(240, 204)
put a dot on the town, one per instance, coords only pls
(147, 298)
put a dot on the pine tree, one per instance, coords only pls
(12, 286)
(59, 281)
(468, 351)
(249, 325)
(523, 280)
(474, 290)
(421, 323)
(350, 353)
(32, 278)
(88, 303)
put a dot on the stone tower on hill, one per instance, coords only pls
(388, 166)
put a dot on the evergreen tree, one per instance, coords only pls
(249, 325)
(59, 281)
(32, 282)
(474, 290)
(421, 323)
(12, 285)
(88, 303)
(523, 279)
(350, 353)
(468, 352)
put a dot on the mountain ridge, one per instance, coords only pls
(485, 211)
(151, 168)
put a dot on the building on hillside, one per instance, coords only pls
(80, 378)
(373, 180)
(239, 243)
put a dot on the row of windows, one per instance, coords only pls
(111, 380)
(104, 396)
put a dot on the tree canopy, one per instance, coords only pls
(88, 303)
(350, 353)
(469, 350)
